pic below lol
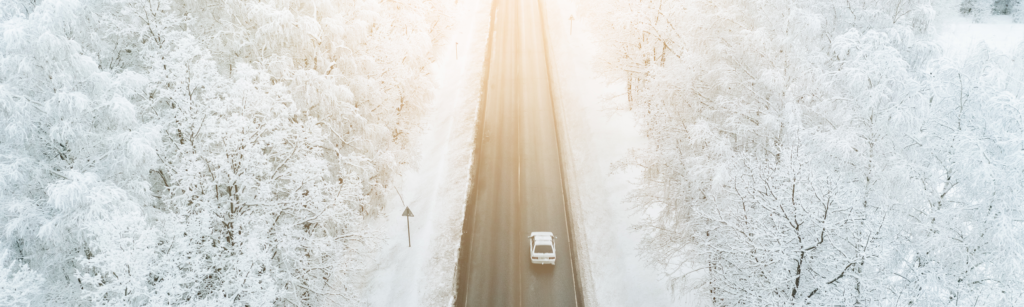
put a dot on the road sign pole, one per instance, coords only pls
(407, 214)
(571, 18)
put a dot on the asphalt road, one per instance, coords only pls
(518, 187)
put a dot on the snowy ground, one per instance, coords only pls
(435, 192)
(958, 35)
(597, 131)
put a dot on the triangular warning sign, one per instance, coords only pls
(407, 212)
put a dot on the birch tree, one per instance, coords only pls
(358, 66)
(73, 151)
(796, 150)
(142, 165)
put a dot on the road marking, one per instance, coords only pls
(519, 161)
(489, 54)
(558, 142)
(517, 39)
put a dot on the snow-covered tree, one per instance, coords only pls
(73, 150)
(358, 66)
(19, 284)
(166, 152)
(978, 10)
(248, 181)
(1016, 10)
(961, 245)
(800, 149)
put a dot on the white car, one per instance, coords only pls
(542, 247)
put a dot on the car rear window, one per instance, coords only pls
(543, 249)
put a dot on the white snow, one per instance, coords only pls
(958, 35)
(598, 130)
(435, 192)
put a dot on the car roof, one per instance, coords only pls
(542, 233)
(542, 237)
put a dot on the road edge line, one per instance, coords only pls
(466, 240)
(570, 220)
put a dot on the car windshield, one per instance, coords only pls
(543, 249)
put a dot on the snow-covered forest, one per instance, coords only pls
(823, 153)
(203, 153)
(234, 153)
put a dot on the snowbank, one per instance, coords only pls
(595, 131)
(435, 192)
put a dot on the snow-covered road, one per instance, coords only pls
(518, 182)
(596, 131)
